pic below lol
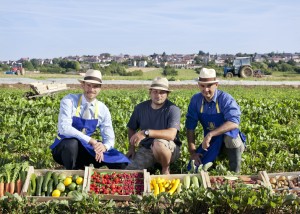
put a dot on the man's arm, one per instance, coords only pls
(192, 146)
(225, 127)
(106, 128)
(167, 134)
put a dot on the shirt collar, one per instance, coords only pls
(84, 101)
(214, 99)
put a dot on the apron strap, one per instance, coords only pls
(79, 104)
(217, 106)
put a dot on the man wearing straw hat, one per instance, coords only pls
(153, 128)
(219, 115)
(79, 117)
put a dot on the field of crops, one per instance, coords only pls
(270, 120)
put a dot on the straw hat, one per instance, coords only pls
(207, 76)
(160, 83)
(92, 76)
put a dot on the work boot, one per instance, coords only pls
(235, 158)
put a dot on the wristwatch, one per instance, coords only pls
(146, 132)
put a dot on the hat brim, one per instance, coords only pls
(160, 88)
(90, 81)
(207, 82)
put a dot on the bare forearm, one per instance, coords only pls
(191, 141)
(167, 134)
(227, 126)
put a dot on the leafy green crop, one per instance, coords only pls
(270, 119)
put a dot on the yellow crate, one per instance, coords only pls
(142, 182)
(200, 175)
(38, 172)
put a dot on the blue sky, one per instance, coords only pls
(59, 28)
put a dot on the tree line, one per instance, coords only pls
(114, 68)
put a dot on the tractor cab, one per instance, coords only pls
(241, 67)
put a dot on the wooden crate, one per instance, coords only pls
(38, 172)
(283, 181)
(200, 175)
(214, 182)
(142, 182)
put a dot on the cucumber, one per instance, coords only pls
(207, 166)
(33, 184)
(39, 184)
(187, 181)
(55, 178)
(195, 181)
(47, 177)
(50, 187)
(179, 188)
(29, 191)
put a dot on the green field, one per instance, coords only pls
(270, 119)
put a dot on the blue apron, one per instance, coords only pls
(210, 122)
(89, 126)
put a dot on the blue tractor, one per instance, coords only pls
(241, 67)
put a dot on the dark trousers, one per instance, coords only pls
(72, 155)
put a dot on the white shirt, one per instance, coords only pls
(68, 106)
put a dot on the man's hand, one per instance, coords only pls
(137, 138)
(99, 148)
(195, 156)
(206, 141)
(131, 152)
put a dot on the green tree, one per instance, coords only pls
(27, 65)
(4, 67)
(35, 63)
(169, 71)
(95, 66)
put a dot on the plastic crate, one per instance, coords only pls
(118, 185)
(38, 172)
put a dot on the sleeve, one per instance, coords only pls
(133, 122)
(192, 114)
(174, 117)
(67, 106)
(231, 109)
(106, 129)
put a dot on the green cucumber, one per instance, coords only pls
(39, 184)
(47, 177)
(207, 166)
(195, 181)
(33, 184)
(187, 181)
(50, 187)
(55, 178)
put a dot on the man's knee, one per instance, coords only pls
(70, 145)
(143, 159)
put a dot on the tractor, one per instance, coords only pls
(18, 69)
(241, 67)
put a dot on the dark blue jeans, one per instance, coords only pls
(72, 155)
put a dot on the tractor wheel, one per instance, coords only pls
(229, 75)
(246, 72)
